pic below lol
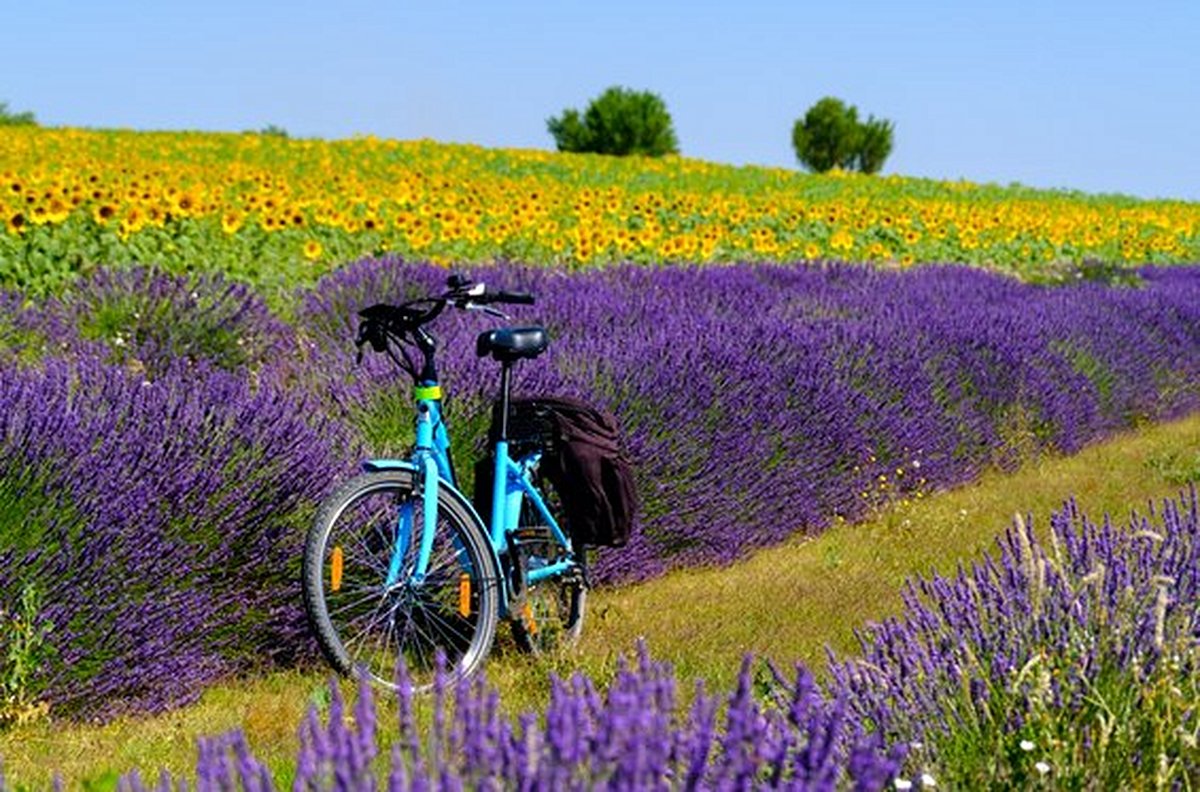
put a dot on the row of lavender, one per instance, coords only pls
(163, 442)
(763, 400)
(1073, 666)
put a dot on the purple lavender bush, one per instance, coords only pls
(20, 338)
(160, 521)
(1076, 663)
(633, 736)
(149, 320)
(1071, 664)
(778, 397)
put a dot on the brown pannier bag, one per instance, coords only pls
(582, 456)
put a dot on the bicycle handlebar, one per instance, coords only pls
(516, 298)
(404, 322)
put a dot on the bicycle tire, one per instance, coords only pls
(549, 614)
(360, 622)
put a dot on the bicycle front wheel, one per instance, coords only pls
(366, 601)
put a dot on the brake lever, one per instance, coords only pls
(487, 309)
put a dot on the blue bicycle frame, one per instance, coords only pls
(430, 463)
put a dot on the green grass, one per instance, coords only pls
(788, 602)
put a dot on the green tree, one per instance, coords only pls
(620, 121)
(11, 118)
(874, 146)
(569, 132)
(831, 136)
(827, 137)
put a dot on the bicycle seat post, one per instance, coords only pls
(505, 380)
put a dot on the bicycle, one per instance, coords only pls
(400, 566)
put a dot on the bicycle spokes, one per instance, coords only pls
(404, 526)
(378, 607)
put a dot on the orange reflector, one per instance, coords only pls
(530, 622)
(335, 568)
(464, 595)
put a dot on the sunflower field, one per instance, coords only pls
(274, 211)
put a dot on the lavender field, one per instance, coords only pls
(163, 442)
(1069, 665)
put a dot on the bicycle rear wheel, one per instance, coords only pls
(362, 621)
(549, 614)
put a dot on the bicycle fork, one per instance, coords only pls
(404, 528)
(427, 482)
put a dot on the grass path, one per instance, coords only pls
(787, 603)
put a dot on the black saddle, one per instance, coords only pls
(509, 344)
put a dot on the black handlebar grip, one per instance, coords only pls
(517, 298)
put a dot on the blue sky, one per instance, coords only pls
(1097, 96)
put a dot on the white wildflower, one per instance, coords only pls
(902, 783)
(928, 781)
(1160, 615)
(1026, 745)
(1042, 768)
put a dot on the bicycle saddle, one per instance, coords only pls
(509, 344)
